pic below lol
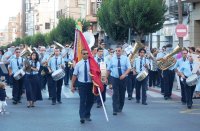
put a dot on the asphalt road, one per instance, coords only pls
(158, 115)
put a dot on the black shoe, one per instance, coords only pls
(138, 101)
(88, 119)
(189, 107)
(166, 98)
(144, 103)
(99, 106)
(60, 102)
(53, 103)
(28, 106)
(129, 98)
(114, 113)
(82, 121)
(14, 102)
(19, 102)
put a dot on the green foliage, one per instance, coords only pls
(27, 40)
(38, 40)
(111, 22)
(64, 32)
(143, 16)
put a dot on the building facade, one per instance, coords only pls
(167, 34)
(14, 28)
(194, 22)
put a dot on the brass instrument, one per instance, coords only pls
(24, 54)
(58, 45)
(168, 60)
(45, 65)
(136, 47)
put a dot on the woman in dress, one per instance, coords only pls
(197, 89)
(33, 91)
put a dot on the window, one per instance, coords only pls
(47, 25)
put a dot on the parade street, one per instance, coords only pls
(158, 115)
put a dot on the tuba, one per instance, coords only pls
(24, 54)
(136, 47)
(168, 60)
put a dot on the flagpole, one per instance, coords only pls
(104, 109)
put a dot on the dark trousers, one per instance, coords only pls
(119, 90)
(56, 89)
(50, 84)
(183, 97)
(66, 77)
(130, 84)
(161, 80)
(141, 84)
(168, 76)
(71, 73)
(189, 90)
(86, 99)
(103, 96)
(152, 78)
(17, 89)
(43, 79)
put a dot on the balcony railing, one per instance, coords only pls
(173, 9)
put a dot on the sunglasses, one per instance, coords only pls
(17, 52)
(85, 53)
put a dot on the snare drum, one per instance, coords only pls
(58, 74)
(192, 80)
(142, 75)
(19, 74)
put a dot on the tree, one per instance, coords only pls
(27, 40)
(110, 21)
(143, 16)
(38, 40)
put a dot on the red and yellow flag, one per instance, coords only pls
(79, 44)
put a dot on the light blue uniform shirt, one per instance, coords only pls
(105, 52)
(113, 65)
(136, 64)
(45, 58)
(186, 70)
(160, 55)
(180, 63)
(13, 64)
(102, 59)
(107, 59)
(79, 71)
(37, 65)
(52, 63)
(70, 54)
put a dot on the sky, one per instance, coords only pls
(8, 8)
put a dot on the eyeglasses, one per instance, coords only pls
(85, 53)
(118, 50)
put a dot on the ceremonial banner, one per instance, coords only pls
(79, 44)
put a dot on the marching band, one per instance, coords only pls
(30, 70)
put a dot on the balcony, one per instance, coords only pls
(173, 9)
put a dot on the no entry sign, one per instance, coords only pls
(181, 30)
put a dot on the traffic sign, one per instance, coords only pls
(181, 30)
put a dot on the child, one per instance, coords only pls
(2, 98)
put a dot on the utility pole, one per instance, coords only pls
(180, 20)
